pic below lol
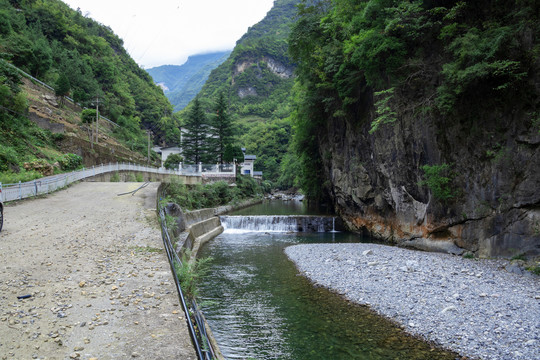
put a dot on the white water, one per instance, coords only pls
(274, 223)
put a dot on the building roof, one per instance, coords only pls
(250, 157)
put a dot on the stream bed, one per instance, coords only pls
(259, 307)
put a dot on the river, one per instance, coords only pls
(259, 307)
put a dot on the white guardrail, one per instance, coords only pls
(45, 185)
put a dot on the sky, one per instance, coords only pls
(163, 32)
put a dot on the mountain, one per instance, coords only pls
(257, 79)
(79, 58)
(181, 83)
(420, 121)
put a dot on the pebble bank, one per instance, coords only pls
(474, 307)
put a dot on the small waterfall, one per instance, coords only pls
(277, 223)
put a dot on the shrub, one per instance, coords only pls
(438, 179)
(8, 156)
(115, 177)
(211, 195)
(190, 273)
(88, 116)
(23, 176)
(172, 161)
(247, 186)
(70, 161)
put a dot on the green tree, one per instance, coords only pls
(233, 152)
(62, 86)
(88, 116)
(172, 161)
(194, 141)
(41, 59)
(221, 131)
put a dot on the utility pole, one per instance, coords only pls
(97, 118)
(148, 132)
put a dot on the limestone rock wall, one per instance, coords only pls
(375, 182)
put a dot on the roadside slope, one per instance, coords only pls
(99, 280)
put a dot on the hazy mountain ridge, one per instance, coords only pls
(257, 79)
(181, 83)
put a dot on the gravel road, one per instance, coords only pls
(474, 307)
(98, 278)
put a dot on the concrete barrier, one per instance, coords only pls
(128, 175)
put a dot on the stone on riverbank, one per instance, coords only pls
(474, 307)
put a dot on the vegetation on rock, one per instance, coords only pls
(414, 58)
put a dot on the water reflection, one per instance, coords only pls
(263, 310)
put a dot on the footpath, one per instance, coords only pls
(94, 276)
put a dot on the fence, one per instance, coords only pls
(194, 316)
(18, 191)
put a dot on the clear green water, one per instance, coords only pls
(261, 308)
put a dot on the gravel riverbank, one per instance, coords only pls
(94, 277)
(474, 307)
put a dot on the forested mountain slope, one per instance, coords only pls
(49, 40)
(181, 83)
(82, 59)
(419, 120)
(257, 79)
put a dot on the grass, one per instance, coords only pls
(190, 272)
(9, 177)
(146, 249)
(115, 177)
(535, 270)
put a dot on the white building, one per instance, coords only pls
(247, 167)
(166, 151)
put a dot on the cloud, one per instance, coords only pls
(162, 32)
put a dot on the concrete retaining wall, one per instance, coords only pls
(130, 176)
(196, 216)
(46, 124)
(202, 232)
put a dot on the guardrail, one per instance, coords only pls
(45, 185)
(193, 315)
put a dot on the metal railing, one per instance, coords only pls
(45, 185)
(193, 315)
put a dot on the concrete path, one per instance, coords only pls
(98, 278)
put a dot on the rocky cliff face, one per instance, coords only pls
(376, 182)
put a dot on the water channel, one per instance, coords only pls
(261, 308)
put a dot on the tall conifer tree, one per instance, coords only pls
(194, 141)
(221, 132)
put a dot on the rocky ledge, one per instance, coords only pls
(474, 307)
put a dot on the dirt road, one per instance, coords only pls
(99, 283)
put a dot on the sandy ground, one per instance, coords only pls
(98, 278)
